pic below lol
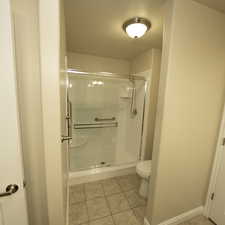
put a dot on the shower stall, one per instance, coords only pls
(107, 113)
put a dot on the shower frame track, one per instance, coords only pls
(106, 75)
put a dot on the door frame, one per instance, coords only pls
(49, 28)
(216, 166)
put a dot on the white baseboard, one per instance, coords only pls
(181, 218)
(146, 222)
(100, 174)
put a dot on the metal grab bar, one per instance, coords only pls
(94, 125)
(105, 119)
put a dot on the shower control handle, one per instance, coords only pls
(65, 138)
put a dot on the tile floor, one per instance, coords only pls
(112, 202)
(107, 202)
(199, 220)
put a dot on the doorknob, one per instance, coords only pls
(10, 189)
(65, 138)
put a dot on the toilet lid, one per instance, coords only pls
(144, 168)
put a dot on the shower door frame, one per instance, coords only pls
(141, 152)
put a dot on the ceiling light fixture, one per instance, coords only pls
(136, 27)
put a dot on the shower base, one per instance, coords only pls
(100, 173)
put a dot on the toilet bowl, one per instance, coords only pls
(143, 169)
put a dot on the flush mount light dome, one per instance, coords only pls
(136, 27)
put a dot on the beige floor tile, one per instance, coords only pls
(97, 208)
(140, 213)
(77, 194)
(93, 190)
(110, 187)
(104, 221)
(199, 220)
(134, 199)
(184, 223)
(128, 182)
(125, 218)
(117, 203)
(78, 213)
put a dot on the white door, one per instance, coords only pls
(217, 212)
(12, 205)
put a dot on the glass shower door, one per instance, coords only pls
(105, 133)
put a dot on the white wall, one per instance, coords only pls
(153, 100)
(149, 61)
(189, 109)
(91, 63)
(25, 13)
(52, 72)
(141, 62)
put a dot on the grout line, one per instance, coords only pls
(98, 219)
(88, 219)
(136, 216)
(84, 191)
(107, 202)
(128, 210)
(105, 198)
(103, 189)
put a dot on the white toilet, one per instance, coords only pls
(143, 169)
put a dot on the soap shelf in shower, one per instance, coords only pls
(94, 125)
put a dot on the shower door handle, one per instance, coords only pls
(69, 118)
(65, 138)
(69, 110)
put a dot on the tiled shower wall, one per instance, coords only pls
(105, 98)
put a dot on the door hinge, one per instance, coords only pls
(212, 196)
(223, 141)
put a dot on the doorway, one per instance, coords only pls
(215, 205)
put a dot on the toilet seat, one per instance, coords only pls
(144, 168)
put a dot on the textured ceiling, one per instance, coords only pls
(94, 26)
